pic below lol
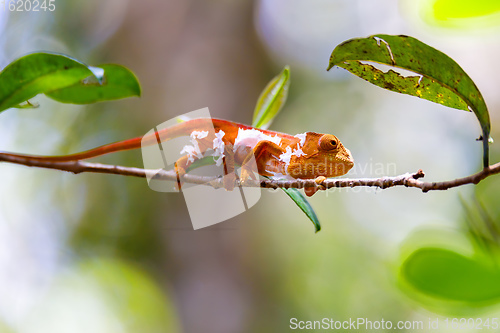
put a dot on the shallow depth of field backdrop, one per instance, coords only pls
(104, 253)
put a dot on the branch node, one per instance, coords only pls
(419, 174)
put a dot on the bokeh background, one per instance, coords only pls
(104, 253)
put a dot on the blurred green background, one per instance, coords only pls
(103, 253)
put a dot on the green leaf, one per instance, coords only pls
(271, 100)
(445, 274)
(116, 82)
(304, 205)
(38, 73)
(438, 77)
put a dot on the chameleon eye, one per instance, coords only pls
(328, 142)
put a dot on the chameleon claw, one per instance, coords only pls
(180, 172)
(228, 181)
(309, 191)
(319, 180)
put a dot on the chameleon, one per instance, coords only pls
(303, 156)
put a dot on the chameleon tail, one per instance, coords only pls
(181, 129)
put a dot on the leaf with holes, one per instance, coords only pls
(438, 78)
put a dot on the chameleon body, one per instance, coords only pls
(306, 156)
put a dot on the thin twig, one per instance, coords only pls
(408, 179)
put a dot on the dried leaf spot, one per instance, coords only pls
(389, 85)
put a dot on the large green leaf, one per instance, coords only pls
(447, 275)
(304, 205)
(438, 77)
(38, 73)
(117, 82)
(271, 100)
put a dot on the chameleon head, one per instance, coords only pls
(324, 155)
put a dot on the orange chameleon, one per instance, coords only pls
(306, 156)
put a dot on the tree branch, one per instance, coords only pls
(408, 179)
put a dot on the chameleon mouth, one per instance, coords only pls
(347, 157)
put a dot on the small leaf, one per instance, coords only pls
(115, 82)
(304, 205)
(438, 77)
(271, 100)
(38, 73)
